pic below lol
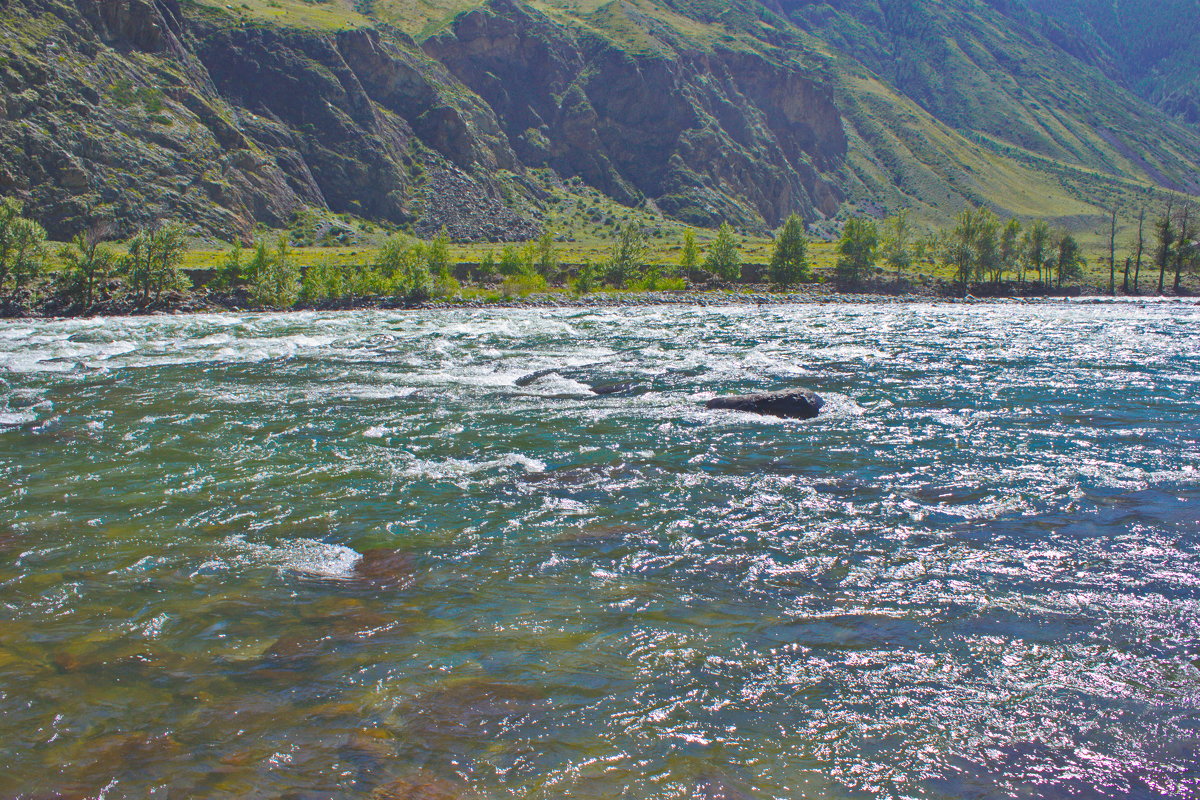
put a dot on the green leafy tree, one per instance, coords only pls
(87, 264)
(1011, 245)
(438, 256)
(973, 247)
(987, 246)
(22, 246)
(1112, 255)
(547, 255)
(1037, 249)
(393, 257)
(529, 258)
(926, 247)
(1185, 245)
(1164, 229)
(487, 265)
(1069, 262)
(857, 250)
(689, 258)
(723, 259)
(1139, 246)
(585, 283)
(230, 272)
(897, 243)
(628, 255)
(277, 282)
(510, 262)
(322, 281)
(153, 261)
(789, 261)
(404, 269)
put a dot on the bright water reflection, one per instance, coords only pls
(977, 576)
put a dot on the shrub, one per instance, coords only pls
(152, 263)
(523, 285)
(22, 246)
(277, 281)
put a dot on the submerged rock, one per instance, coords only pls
(716, 788)
(421, 786)
(474, 709)
(605, 389)
(369, 751)
(386, 569)
(534, 377)
(790, 404)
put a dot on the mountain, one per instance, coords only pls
(1150, 46)
(472, 115)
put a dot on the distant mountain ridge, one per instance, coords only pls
(1151, 46)
(456, 113)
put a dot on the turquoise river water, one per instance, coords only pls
(345, 555)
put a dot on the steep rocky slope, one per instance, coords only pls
(133, 110)
(424, 113)
(710, 135)
(1150, 46)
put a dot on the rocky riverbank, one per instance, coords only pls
(206, 302)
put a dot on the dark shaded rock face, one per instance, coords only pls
(134, 111)
(138, 110)
(708, 136)
(792, 404)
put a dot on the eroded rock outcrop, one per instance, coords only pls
(137, 110)
(708, 135)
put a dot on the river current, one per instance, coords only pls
(347, 555)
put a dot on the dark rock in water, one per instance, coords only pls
(386, 569)
(605, 390)
(791, 404)
(421, 786)
(534, 377)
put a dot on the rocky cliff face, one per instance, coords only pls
(130, 110)
(708, 136)
(740, 110)
(134, 110)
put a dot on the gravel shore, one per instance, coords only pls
(204, 302)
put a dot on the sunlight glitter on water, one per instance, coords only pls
(313, 555)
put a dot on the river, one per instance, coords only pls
(346, 555)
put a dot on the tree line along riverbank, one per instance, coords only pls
(979, 255)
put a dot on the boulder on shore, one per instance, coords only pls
(790, 404)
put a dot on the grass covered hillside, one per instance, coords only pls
(422, 114)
